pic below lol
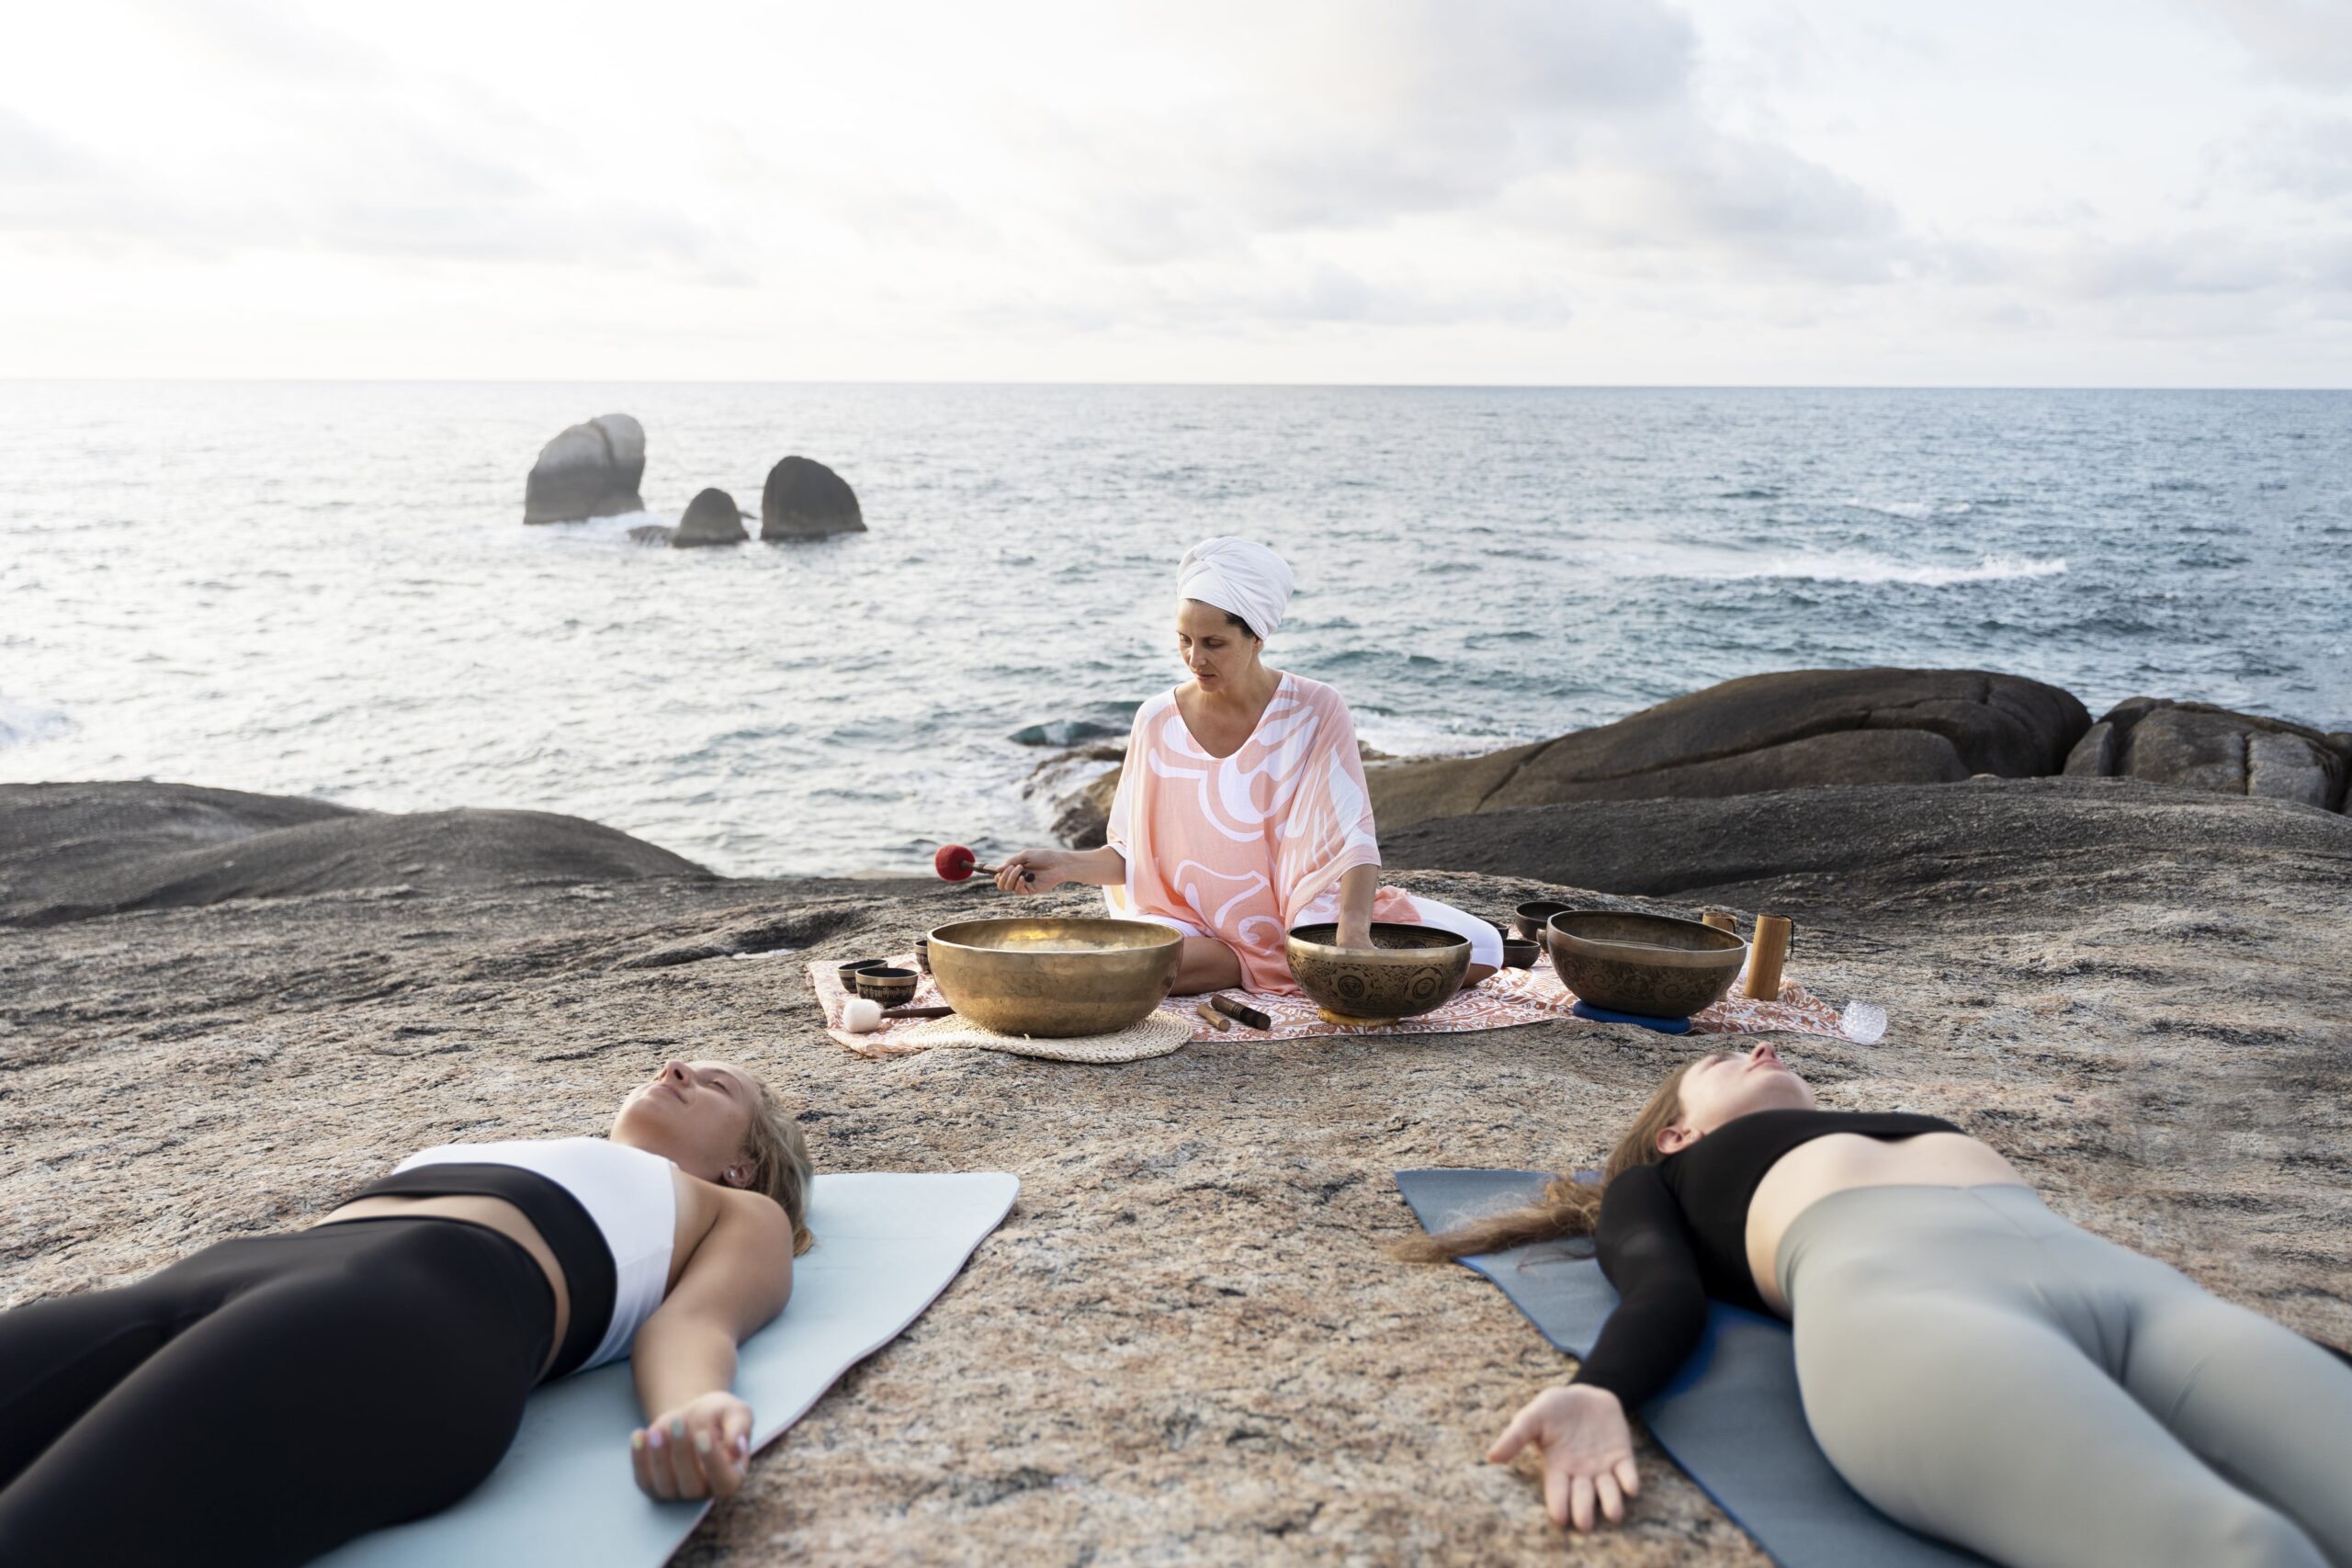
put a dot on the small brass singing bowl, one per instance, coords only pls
(890, 987)
(1408, 970)
(1519, 954)
(850, 971)
(1054, 979)
(1651, 965)
(1529, 919)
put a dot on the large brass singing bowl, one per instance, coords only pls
(1651, 965)
(1054, 979)
(1408, 969)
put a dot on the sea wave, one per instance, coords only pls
(21, 725)
(1911, 509)
(1703, 564)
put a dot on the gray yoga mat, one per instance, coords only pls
(1731, 1418)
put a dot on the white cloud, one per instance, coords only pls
(2308, 41)
(1383, 190)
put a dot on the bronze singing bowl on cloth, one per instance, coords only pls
(1054, 979)
(1651, 965)
(1408, 969)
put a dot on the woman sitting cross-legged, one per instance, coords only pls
(1242, 810)
(273, 1396)
(1973, 1365)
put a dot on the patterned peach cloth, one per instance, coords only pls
(1242, 846)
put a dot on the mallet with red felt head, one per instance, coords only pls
(956, 864)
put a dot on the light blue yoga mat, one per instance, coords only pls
(1732, 1418)
(887, 1245)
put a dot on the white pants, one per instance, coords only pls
(1485, 941)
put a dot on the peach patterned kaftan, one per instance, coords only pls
(1244, 847)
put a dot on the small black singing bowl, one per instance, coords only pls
(891, 987)
(850, 971)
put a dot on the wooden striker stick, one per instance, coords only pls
(1768, 952)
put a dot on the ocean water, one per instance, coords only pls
(328, 589)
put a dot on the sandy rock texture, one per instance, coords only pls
(1184, 1345)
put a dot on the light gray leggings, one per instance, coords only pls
(1984, 1372)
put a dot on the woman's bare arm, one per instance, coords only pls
(1357, 886)
(1048, 869)
(698, 1437)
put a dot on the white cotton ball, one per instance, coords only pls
(862, 1016)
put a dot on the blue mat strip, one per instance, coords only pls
(1732, 1418)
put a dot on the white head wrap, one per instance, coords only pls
(1241, 577)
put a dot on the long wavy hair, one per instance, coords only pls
(780, 1164)
(1568, 1207)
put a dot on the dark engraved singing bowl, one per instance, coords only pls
(1528, 919)
(1651, 965)
(1054, 979)
(1408, 969)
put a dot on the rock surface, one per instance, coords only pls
(72, 851)
(590, 471)
(2198, 746)
(1184, 1345)
(1793, 729)
(712, 518)
(804, 500)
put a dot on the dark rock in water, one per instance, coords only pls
(1799, 729)
(659, 534)
(75, 850)
(1068, 732)
(1082, 818)
(590, 471)
(712, 518)
(2199, 746)
(804, 500)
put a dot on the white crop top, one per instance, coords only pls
(629, 1195)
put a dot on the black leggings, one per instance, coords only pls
(268, 1398)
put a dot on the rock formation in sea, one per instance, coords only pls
(804, 500)
(590, 471)
(711, 518)
(2198, 746)
(1185, 1344)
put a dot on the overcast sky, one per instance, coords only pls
(2002, 191)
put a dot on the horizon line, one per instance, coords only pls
(1268, 386)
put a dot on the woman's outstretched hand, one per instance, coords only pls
(1032, 871)
(699, 1450)
(1587, 1453)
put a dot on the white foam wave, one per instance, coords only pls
(1713, 564)
(21, 725)
(1911, 509)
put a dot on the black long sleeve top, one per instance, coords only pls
(1673, 1234)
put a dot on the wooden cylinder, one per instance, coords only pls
(1719, 918)
(1768, 952)
(1213, 1017)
